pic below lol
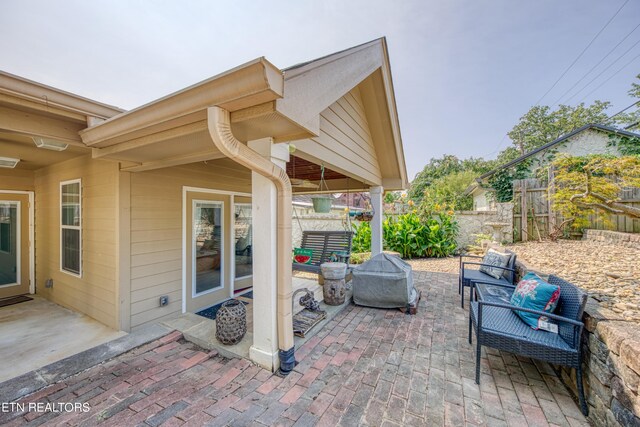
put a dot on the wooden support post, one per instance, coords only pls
(523, 209)
(551, 189)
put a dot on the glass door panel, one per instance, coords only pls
(208, 239)
(9, 243)
(15, 270)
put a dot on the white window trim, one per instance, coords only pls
(233, 242)
(18, 236)
(71, 227)
(18, 281)
(220, 204)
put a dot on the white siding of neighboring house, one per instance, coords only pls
(481, 201)
(587, 142)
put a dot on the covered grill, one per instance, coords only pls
(385, 281)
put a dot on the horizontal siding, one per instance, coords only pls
(16, 180)
(95, 292)
(156, 232)
(345, 139)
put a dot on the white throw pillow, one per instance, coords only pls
(494, 259)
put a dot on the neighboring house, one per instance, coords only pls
(107, 211)
(588, 139)
(482, 197)
(354, 201)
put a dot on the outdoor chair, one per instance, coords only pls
(469, 275)
(498, 326)
(324, 244)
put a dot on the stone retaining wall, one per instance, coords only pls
(611, 364)
(472, 223)
(612, 367)
(619, 238)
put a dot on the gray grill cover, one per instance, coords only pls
(385, 281)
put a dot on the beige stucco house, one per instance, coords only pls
(586, 140)
(108, 212)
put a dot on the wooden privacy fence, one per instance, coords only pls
(533, 216)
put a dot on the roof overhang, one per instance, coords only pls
(313, 86)
(173, 130)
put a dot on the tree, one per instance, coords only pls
(448, 191)
(541, 125)
(633, 118)
(442, 167)
(585, 185)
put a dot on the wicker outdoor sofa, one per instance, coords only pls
(496, 325)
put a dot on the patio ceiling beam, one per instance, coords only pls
(17, 121)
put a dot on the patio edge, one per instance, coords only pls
(25, 384)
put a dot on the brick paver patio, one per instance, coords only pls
(366, 367)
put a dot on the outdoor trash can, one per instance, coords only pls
(385, 281)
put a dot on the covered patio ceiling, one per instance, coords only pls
(305, 178)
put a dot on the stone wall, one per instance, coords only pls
(612, 367)
(619, 238)
(316, 222)
(472, 223)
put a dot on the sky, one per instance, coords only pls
(464, 71)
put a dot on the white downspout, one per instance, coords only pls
(219, 123)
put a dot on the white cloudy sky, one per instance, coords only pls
(464, 70)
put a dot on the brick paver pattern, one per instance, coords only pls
(365, 367)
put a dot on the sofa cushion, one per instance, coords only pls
(534, 293)
(494, 259)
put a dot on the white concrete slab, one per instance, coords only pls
(36, 333)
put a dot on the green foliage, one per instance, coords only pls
(359, 257)
(628, 146)
(633, 118)
(410, 235)
(445, 166)
(541, 125)
(449, 191)
(586, 185)
(362, 238)
(391, 196)
(502, 181)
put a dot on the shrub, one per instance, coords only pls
(362, 237)
(410, 235)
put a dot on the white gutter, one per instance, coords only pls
(219, 123)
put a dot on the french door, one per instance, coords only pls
(14, 244)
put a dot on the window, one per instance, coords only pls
(71, 227)
(243, 238)
(208, 247)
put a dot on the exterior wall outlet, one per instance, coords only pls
(164, 300)
(48, 283)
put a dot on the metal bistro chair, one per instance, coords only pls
(468, 275)
(498, 326)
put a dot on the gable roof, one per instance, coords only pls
(563, 138)
(313, 86)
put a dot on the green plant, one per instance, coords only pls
(449, 190)
(359, 257)
(502, 181)
(590, 184)
(413, 236)
(362, 238)
(628, 146)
